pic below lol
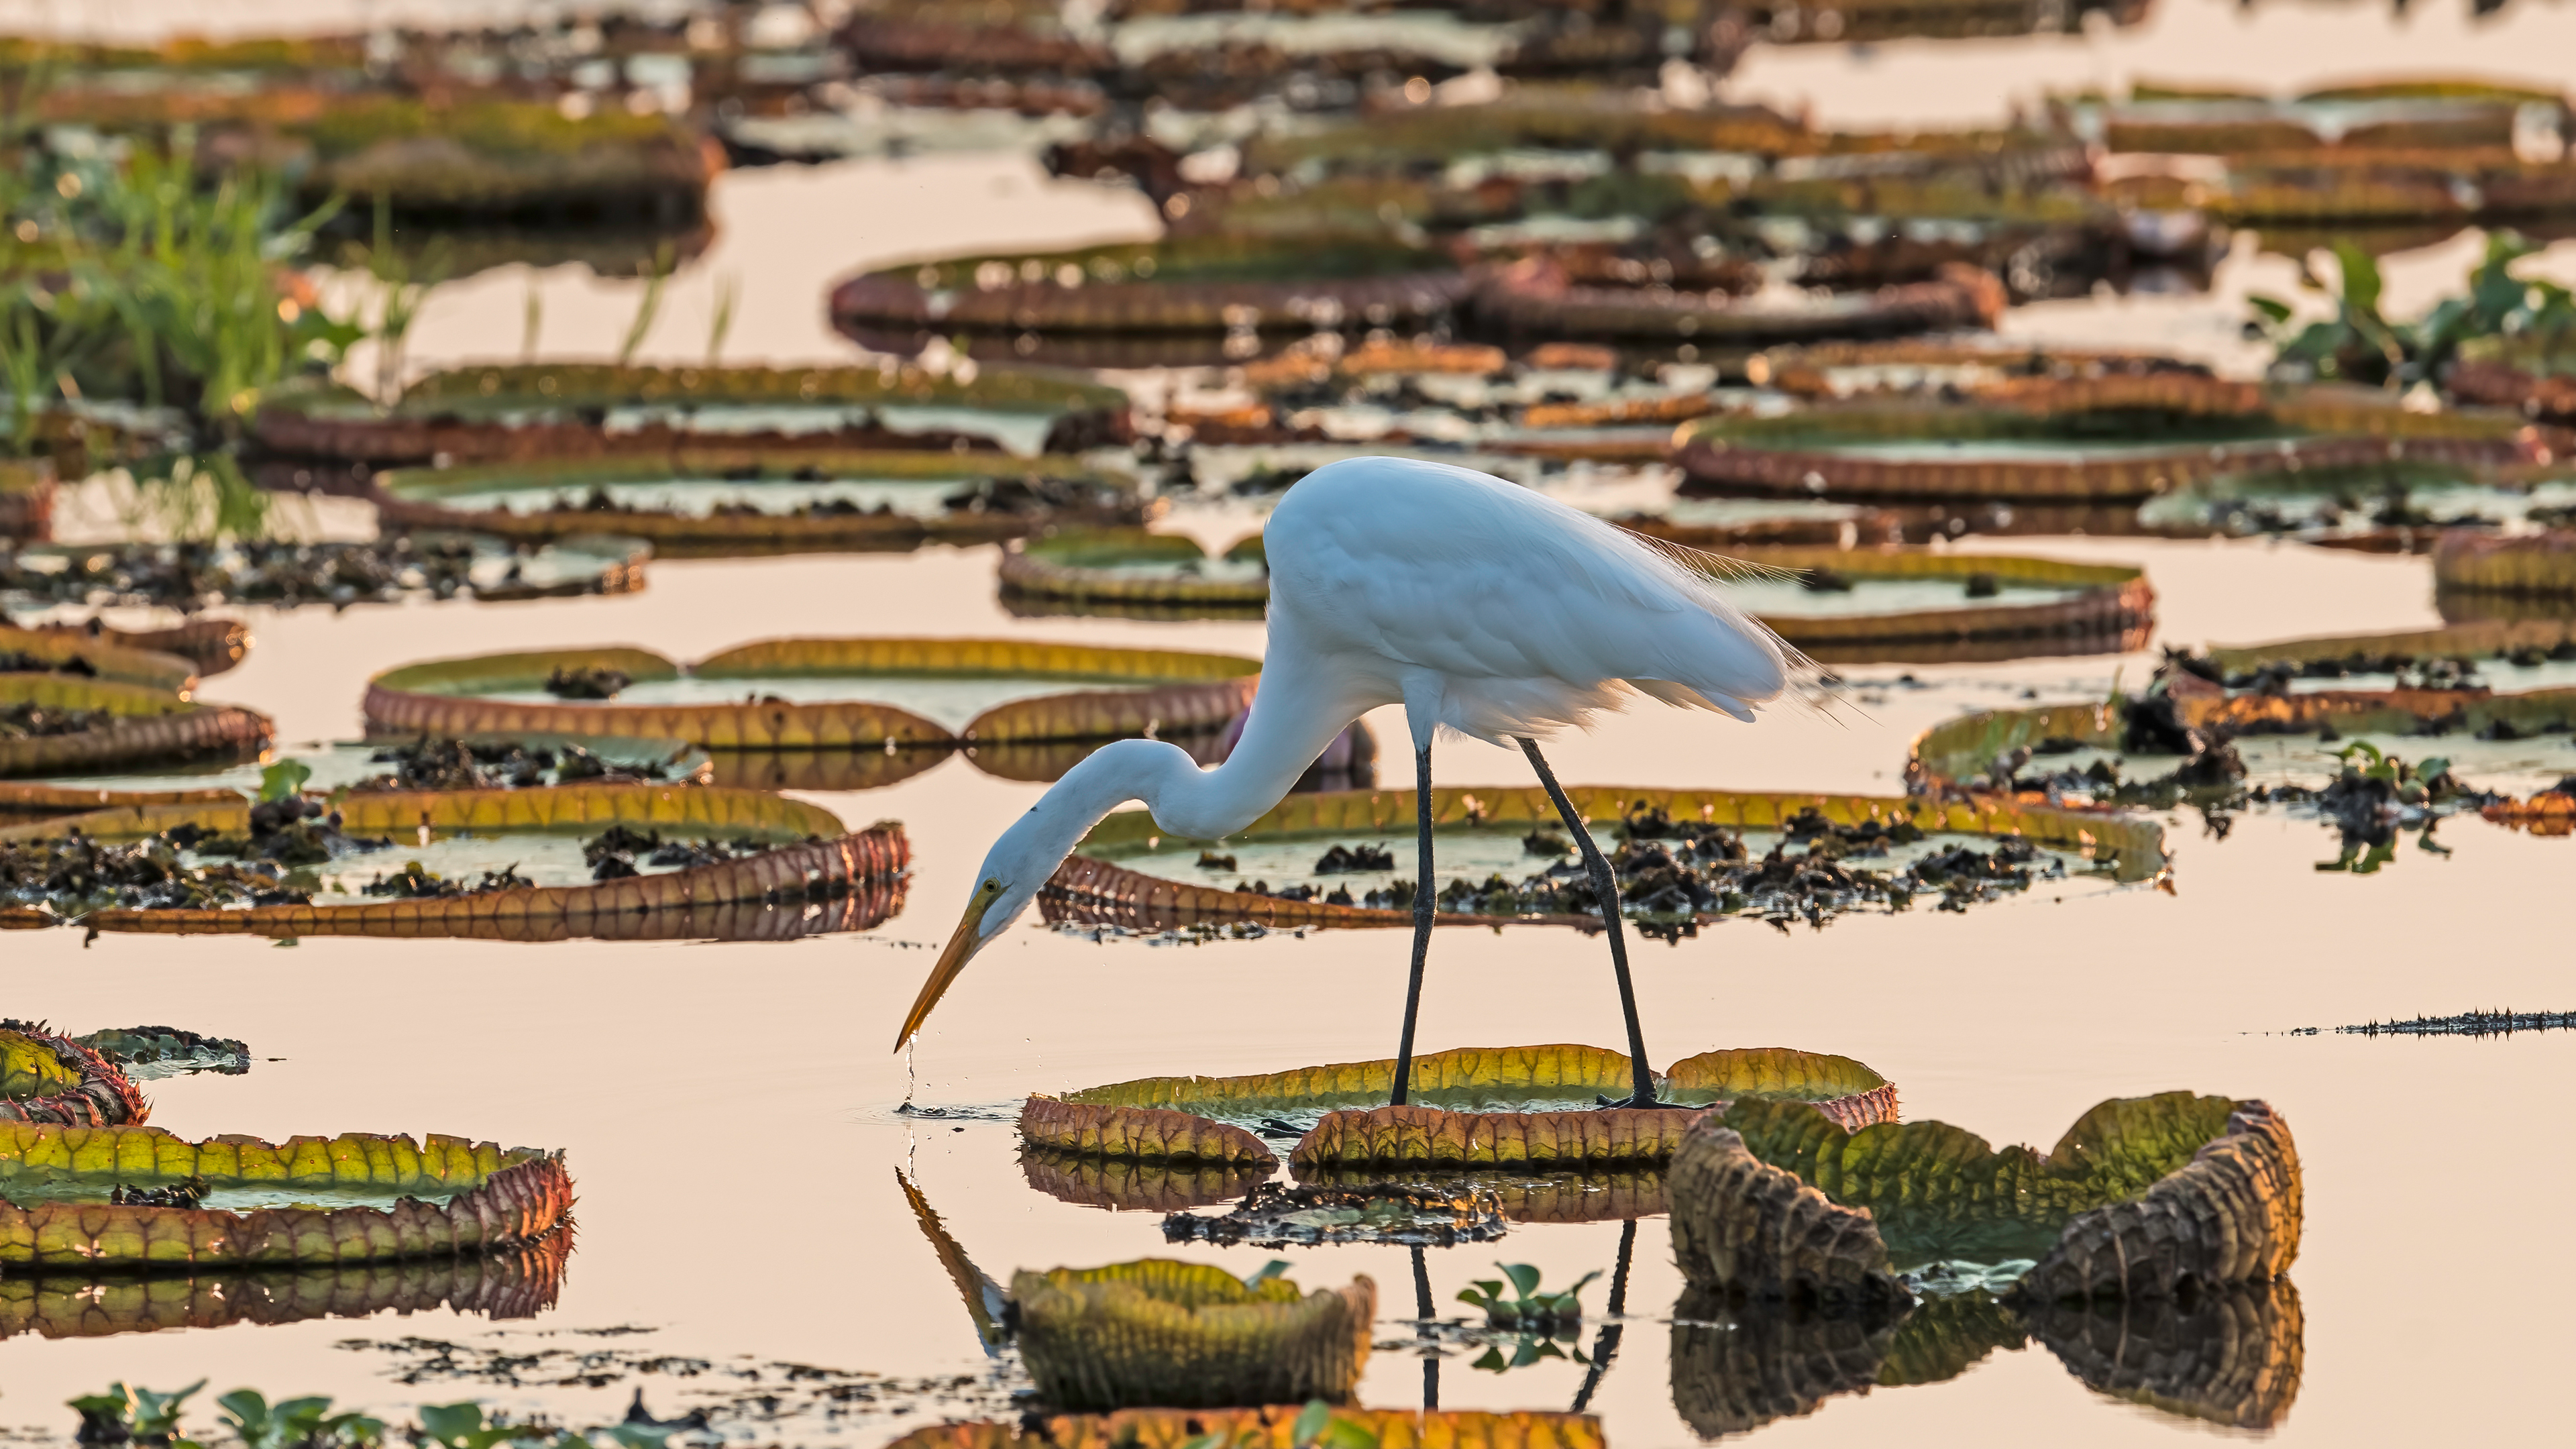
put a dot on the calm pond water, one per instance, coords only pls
(731, 1111)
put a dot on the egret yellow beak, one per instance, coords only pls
(960, 949)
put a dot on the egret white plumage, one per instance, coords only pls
(1478, 605)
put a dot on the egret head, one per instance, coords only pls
(1018, 864)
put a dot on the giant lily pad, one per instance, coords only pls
(356, 1197)
(714, 502)
(31, 651)
(437, 564)
(2144, 1197)
(812, 877)
(1918, 604)
(2088, 440)
(1272, 1427)
(2533, 564)
(1096, 571)
(824, 694)
(560, 410)
(55, 724)
(1540, 301)
(212, 645)
(1160, 1332)
(2303, 739)
(1186, 284)
(505, 1284)
(1525, 1108)
(1127, 873)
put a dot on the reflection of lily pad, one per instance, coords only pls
(2230, 1357)
(816, 694)
(1271, 1427)
(1189, 1334)
(2140, 1198)
(1124, 1184)
(1529, 1108)
(507, 1284)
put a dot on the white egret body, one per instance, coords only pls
(1476, 604)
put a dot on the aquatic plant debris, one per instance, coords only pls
(1276, 1215)
(2467, 1023)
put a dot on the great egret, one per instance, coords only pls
(1474, 603)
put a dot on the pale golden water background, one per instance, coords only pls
(728, 1110)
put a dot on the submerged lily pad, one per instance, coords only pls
(823, 694)
(1528, 1108)
(380, 1199)
(1159, 1332)
(2144, 1197)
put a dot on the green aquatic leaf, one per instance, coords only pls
(284, 780)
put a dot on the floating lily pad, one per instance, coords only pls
(1161, 1332)
(510, 1283)
(524, 413)
(161, 1051)
(1186, 284)
(30, 651)
(1874, 598)
(1123, 1184)
(811, 876)
(1527, 1108)
(57, 724)
(212, 645)
(2144, 1197)
(830, 694)
(421, 763)
(716, 502)
(2534, 564)
(312, 1200)
(1101, 570)
(438, 564)
(1127, 873)
(1540, 301)
(2091, 440)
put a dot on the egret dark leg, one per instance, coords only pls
(1605, 886)
(1424, 898)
